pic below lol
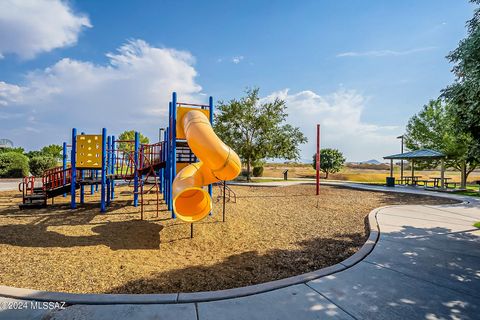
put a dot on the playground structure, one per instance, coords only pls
(188, 158)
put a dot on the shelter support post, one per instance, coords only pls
(442, 174)
(412, 163)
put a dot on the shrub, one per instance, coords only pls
(13, 165)
(39, 164)
(257, 171)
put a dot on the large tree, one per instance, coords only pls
(331, 161)
(53, 150)
(435, 128)
(129, 135)
(464, 93)
(257, 130)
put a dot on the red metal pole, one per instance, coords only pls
(318, 159)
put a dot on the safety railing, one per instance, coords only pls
(56, 177)
(124, 159)
(150, 155)
(27, 185)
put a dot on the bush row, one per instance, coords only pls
(17, 165)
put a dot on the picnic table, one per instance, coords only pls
(437, 181)
(412, 180)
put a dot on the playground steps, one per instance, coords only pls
(36, 200)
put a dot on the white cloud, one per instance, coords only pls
(237, 59)
(130, 92)
(9, 93)
(342, 127)
(383, 53)
(28, 27)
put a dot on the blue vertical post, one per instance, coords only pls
(96, 178)
(82, 187)
(104, 175)
(174, 146)
(135, 175)
(165, 158)
(109, 142)
(73, 166)
(160, 171)
(210, 107)
(169, 156)
(64, 165)
(112, 171)
(92, 187)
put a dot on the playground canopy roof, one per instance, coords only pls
(424, 154)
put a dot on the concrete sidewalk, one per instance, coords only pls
(9, 184)
(425, 265)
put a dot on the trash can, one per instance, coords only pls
(390, 181)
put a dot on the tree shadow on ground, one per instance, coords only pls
(130, 234)
(249, 267)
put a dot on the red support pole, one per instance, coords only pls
(318, 159)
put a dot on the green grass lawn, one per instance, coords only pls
(472, 190)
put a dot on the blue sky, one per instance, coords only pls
(359, 68)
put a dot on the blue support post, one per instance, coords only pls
(73, 179)
(96, 178)
(64, 165)
(210, 105)
(92, 187)
(135, 176)
(107, 170)
(174, 146)
(104, 164)
(165, 158)
(112, 171)
(82, 187)
(169, 157)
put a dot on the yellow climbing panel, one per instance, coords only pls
(89, 151)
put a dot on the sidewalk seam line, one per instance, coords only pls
(321, 294)
(196, 311)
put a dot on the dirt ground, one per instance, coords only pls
(270, 233)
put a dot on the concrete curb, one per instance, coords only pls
(99, 299)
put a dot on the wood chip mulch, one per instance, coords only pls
(270, 233)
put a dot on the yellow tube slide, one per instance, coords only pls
(217, 162)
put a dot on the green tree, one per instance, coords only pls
(53, 151)
(434, 128)
(16, 149)
(33, 153)
(331, 161)
(39, 164)
(256, 131)
(13, 165)
(464, 93)
(129, 135)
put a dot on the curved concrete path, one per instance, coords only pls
(425, 265)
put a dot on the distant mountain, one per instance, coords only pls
(372, 161)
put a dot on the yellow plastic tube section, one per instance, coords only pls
(217, 162)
